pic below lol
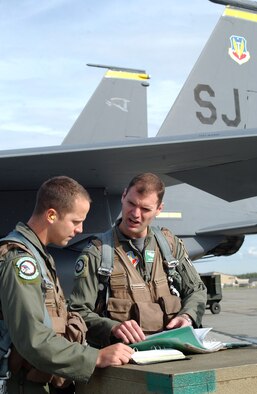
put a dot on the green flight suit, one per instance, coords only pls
(84, 295)
(22, 308)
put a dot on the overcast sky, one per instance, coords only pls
(45, 83)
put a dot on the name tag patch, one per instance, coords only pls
(149, 256)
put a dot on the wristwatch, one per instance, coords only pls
(188, 318)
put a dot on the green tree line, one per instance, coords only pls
(249, 275)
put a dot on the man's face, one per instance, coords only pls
(138, 211)
(66, 226)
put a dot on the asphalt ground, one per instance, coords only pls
(237, 320)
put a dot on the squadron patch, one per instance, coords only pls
(81, 267)
(27, 268)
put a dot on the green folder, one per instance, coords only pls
(186, 339)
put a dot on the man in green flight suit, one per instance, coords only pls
(143, 295)
(40, 351)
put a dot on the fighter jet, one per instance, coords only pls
(208, 131)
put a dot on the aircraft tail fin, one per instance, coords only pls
(117, 110)
(220, 93)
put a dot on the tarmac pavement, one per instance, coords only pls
(237, 320)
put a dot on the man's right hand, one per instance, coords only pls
(114, 355)
(128, 331)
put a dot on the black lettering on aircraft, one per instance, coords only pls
(211, 119)
(234, 122)
(205, 104)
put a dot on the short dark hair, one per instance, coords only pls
(59, 193)
(147, 183)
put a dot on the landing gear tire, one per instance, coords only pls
(215, 308)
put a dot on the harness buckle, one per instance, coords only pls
(171, 264)
(104, 271)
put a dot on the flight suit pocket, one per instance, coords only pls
(170, 306)
(119, 309)
(149, 316)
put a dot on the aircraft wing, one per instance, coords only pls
(205, 163)
(232, 228)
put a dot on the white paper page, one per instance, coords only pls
(150, 356)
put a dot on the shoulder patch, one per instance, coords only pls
(81, 267)
(27, 269)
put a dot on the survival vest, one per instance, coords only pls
(158, 298)
(67, 324)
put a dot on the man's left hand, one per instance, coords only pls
(128, 331)
(179, 321)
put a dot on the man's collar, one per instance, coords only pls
(123, 237)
